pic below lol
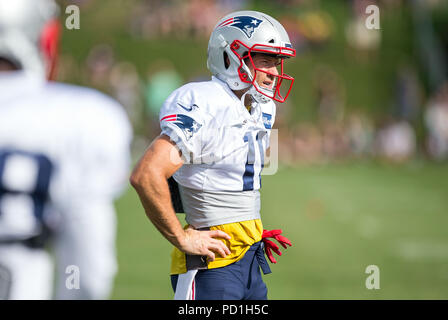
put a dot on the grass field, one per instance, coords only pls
(340, 218)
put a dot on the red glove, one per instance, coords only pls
(269, 245)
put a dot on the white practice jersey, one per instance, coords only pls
(223, 144)
(63, 148)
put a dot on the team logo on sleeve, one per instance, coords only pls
(188, 125)
(247, 24)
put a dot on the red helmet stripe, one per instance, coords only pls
(226, 22)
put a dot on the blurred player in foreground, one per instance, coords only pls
(213, 142)
(64, 156)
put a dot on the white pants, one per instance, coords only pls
(86, 244)
(26, 274)
(84, 260)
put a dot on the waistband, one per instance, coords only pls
(211, 208)
(194, 262)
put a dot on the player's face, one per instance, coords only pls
(269, 66)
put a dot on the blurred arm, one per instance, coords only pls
(93, 172)
(87, 242)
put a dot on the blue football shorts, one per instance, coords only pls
(241, 280)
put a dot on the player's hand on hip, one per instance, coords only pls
(205, 243)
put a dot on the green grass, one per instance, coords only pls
(341, 218)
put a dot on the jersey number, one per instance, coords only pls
(249, 171)
(24, 185)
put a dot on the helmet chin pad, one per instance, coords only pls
(259, 97)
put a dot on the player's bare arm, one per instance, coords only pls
(149, 178)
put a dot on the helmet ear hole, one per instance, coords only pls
(225, 56)
(9, 64)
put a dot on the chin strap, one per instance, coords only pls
(270, 245)
(243, 98)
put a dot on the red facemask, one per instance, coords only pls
(282, 82)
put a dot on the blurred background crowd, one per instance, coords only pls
(359, 93)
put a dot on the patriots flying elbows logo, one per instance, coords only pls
(247, 24)
(188, 125)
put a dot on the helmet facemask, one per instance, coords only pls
(279, 85)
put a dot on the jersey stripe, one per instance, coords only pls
(170, 117)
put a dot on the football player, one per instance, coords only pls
(213, 141)
(64, 157)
